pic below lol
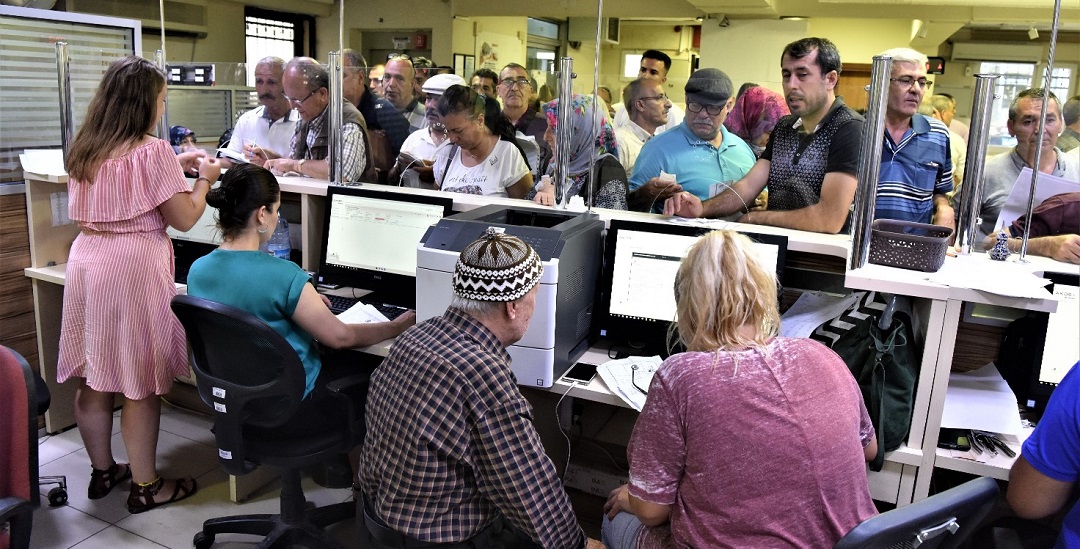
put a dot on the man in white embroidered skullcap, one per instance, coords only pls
(446, 421)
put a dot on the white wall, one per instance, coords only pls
(749, 50)
(859, 40)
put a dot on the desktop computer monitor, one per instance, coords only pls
(1059, 351)
(370, 240)
(637, 301)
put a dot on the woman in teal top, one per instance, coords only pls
(275, 290)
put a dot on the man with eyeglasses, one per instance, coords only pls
(648, 108)
(654, 66)
(515, 90)
(700, 157)
(811, 159)
(398, 90)
(417, 158)
(266, 131)
(379, 114)
(306, 85)
(916, 174)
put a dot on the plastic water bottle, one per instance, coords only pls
(279, 245)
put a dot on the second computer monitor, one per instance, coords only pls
(371, 236)
(638, 283)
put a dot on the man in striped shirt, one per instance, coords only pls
(916, 172)
(451, 458)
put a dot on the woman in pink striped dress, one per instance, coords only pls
(118, 333)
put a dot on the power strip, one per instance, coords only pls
(591, 481)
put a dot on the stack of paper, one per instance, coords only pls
(813, 309)
(361, 313)
(629, 378)
(981, 400)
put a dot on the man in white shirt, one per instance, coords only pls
(414, 163)
(266, 131)
(654, 65)
(648, 107)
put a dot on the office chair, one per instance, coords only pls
(942, 521)
(18, 445)
(57, 494)
(254, 381)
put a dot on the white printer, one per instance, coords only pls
(570, 247)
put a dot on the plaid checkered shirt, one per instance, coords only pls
(450, 442)
(353, 152)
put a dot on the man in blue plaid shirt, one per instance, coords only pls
(451, 458)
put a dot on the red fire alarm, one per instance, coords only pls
(419, 41)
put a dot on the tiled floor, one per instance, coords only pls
(185, 448)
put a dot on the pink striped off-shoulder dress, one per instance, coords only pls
(118, 331)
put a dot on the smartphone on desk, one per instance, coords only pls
(954, 439)
(580, 374)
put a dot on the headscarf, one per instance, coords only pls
(755, 113)
(581, 130)
(178, 133)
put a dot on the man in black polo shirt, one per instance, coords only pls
(811, 159)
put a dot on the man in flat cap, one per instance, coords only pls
(701, 154)
(811, 159)
(451, 458)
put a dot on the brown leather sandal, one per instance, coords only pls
(142, 495)
(102, 481)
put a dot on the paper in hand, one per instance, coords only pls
(232, 155)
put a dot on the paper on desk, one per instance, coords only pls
(232, 155)
(43, 161)
(811, 310)
(1008, 278)
(624, 381)
(1016, 204)
(361, 313)
(981, 400)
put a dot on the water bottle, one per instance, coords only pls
(279, 245)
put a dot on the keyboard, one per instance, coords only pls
(340, 304)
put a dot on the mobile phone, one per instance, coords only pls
(580, 373)
(954, 439)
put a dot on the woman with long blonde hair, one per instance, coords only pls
(747, 439)
(118, 334)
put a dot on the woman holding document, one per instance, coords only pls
(277, 291)
(792, 433)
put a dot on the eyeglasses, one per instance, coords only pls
(404, 56)
(713, 110)
(511, 83)
(439, 127)
(907, 82)
(633, 380)
(661, 97)
(295, 101)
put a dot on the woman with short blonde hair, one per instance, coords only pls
(743, 424)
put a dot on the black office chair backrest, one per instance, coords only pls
(942, 521)
(245, 371)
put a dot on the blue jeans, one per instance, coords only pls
(620, 532)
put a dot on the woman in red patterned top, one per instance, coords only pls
(118, 333)
(747, 439)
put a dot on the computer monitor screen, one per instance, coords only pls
(637, 302)
(371, 238)
(1059, 350)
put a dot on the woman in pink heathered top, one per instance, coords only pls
(118, 334)
(747, 439)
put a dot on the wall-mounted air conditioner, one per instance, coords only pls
(989, 51)
(187, 17)
(583, 29)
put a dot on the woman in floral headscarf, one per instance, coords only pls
(610, 190)
(754, 116)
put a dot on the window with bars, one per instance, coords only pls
(1015, 78)
(278, 34)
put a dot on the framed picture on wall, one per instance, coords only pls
(464, 65)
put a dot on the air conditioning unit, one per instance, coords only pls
(990, 51)
(583, 29)
(184, 17)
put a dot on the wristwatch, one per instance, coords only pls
(300, 166)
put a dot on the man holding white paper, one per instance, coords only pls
(266, 131)
(1001, 171)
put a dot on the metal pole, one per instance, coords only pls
(597, 117)
(63, 81)
(163, 125)
(1042, 128)
(335, 133)
(562, 132)
(161, 24)
(869, 162)
(968, 221)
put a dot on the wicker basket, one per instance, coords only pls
(908, 245)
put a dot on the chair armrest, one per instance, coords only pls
(351, 391)
(13, 506)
